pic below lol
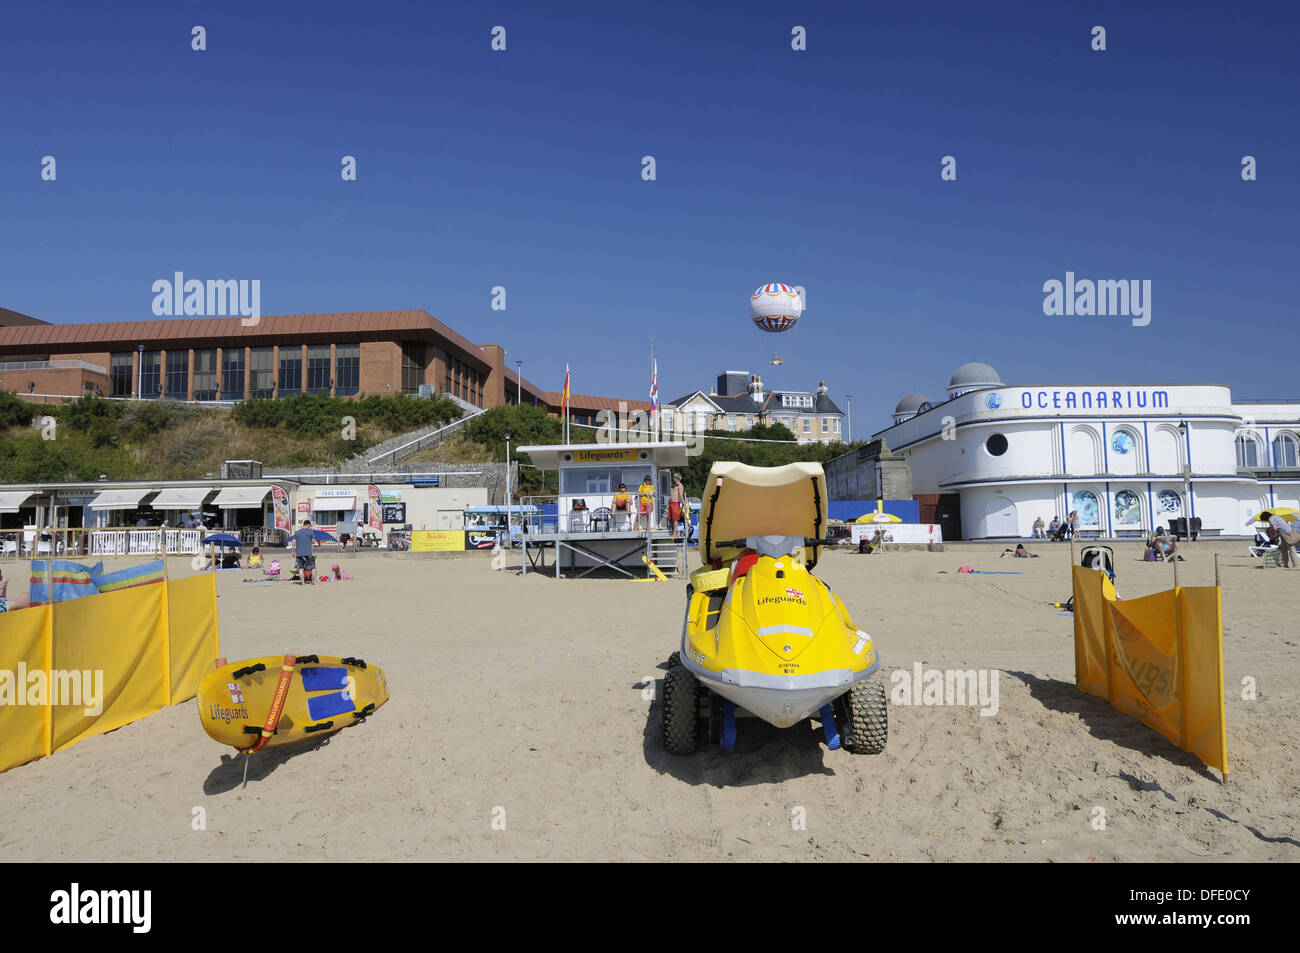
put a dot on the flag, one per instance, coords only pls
(654, 390)
(564, 404)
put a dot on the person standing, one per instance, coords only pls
(303, 541)
(1287, 538)
(645, 502)
(1074, 524)
(676, 497)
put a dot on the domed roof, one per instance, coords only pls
(973, 375)
(911, 404)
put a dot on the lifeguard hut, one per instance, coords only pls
(586, 532)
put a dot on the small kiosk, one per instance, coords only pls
(589, 533)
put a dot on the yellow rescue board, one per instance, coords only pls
(326, 693)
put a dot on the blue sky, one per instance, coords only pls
(819, 168)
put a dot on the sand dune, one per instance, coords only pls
(523, 699)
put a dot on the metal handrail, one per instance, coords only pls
(439, 434)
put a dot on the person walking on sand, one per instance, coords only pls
(303, 541)
(676, 497)
(645, 502)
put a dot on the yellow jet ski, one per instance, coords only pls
(762, 635)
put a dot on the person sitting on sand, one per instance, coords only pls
(339, 575)
(1022, 553)
(255, 558)
(1165, 544)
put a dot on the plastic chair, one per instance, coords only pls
(598, 516)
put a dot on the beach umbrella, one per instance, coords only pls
(879, 516)
(320, 536)
(222, 539)
(1285, 512)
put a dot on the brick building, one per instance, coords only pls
(223, 359)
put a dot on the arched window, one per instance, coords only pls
(1169, 502)
(1247, 452)
(1085, 502)
(1128, 509)
(1284, 452)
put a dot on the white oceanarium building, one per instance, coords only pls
(1128, 458)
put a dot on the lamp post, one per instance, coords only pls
(508, 511)
(1187, 478)
(139, 373)
(848, 437)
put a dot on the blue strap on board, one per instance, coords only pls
(728, 725)
(828, 726)
(324, 679)
(327, 706)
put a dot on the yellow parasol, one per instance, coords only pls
(879, 516)
(1285, 512)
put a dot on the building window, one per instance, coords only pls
(1085, 504)
(347, 374)
(121, 374)
(731, 422)
(1247, 453)
(261, 372)
(232, 373)
(837, 425)
(1128, 508)
(413, 362)
(996, 445)
(807, 425)
(318, 368)
(150, 374)
(205, 373)
(178, 375)
(1285, 452)
(290, 372)
(826, 425)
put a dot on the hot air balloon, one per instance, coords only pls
(775, 308)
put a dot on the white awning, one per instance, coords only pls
(334, 503)
(119, 499)
(181, 498)
(11, 500)
(241, 497)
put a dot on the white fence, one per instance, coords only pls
(144, 542)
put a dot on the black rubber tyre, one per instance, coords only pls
(867, 727)
(681, 708)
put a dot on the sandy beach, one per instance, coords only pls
(523, 700)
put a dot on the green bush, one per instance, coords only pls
(14, 411)
(315, 415)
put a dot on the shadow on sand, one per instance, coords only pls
(229, 775)
(1108, 724)
(762, 755)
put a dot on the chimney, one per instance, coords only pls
(713, 392)
(821, 388)
(756, 388)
